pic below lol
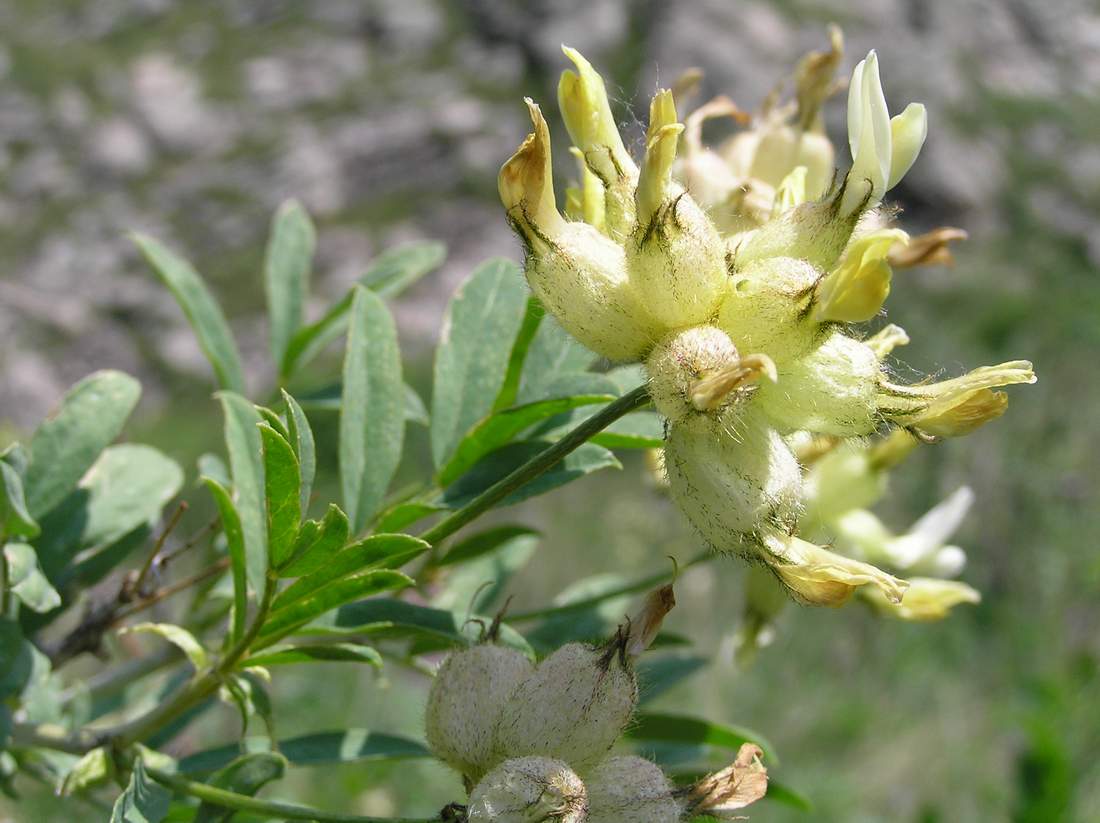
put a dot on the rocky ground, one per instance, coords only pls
(193, 120)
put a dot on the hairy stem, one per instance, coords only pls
(272, 808)
(537, 465)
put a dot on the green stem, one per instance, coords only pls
(201, 686)
(46, 736)
(537, 465)
(272, 808)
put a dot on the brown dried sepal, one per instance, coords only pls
(741, 783)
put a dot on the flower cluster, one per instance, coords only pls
(533, 742)
(739, 278)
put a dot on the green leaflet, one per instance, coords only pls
(90, 417)
(245, 447)
(202, 311)
(286, 273)
(282, 484)
(471, 362)
(372, 425)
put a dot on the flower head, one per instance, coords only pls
(739, 277)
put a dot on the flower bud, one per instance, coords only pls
(855, 291)
(529, 790)
(886, 340)
(586, 110)
(765, 598)
(765, 310)
(704, 172)
(577, 273)
(928, 249)
(699, 371)
(820, 577)
(816, 232)
(953, 407)
(465, 701)
(573, 707)
(675, 256)
(832, 390)
(842, 480)
(926, 599)
(630, 788)
(883, 150)
(732, 477)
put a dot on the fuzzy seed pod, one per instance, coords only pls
(581, 279)
(529, 790)
(832, 390)
(733, 482)
(765, 310)
(574, 706)
(630, 788)
(677, 263)
(465, 702)
(578, 273)
(675, 255)
(814, 232)
(679, 361)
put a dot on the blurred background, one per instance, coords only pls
(389, 120)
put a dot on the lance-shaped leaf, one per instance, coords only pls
(126, 488)
(499, 428)
(387, 276)
(91, 415)
(15, 520)
(176, 635)
(26, 580)
(143, 801)
(320, 653)
(583, 461)
(471, 362)
(484, 542)
(372, 426)
(316, 543)
(202, 311)
(552, 354)
(234, 539)
(329, 597)
(331, 397)
(376, 551)
(320, 748)
(89, 771)
(245, 447)
(301, 438)
(282, 484)
(399, 517)
(389, 617)
(513, 374)
(675, 728)
(286, 273)
(246, 775)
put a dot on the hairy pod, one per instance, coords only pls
(676, 260)
(529, 790)
(767, 305)
(831, 390)
(580, 276)
(630, 788)
(573, 707)
(733, 477)
(679, 361)
(465, 702)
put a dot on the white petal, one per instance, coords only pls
(907, 132)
